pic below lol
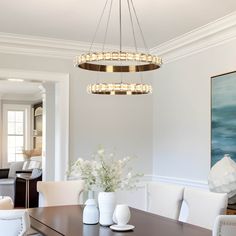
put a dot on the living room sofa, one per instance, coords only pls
(8, 175)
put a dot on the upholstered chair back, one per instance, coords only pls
(61, 192)
(225, 225)
(204, 206)
(14, 222)
(164, 199)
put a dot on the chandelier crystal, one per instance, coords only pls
(120, 61)
(119, 89)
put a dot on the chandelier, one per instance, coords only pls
(119, 60)
(119, 89)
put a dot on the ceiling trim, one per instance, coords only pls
(210, 35)
(200, 39)
(46, 47)
(33, 76)
(22, 97)
(40, 46)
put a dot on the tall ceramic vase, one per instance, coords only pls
(106, 203)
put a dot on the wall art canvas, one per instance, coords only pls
(223, 116)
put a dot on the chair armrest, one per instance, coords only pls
(4, 173)
(23, 171)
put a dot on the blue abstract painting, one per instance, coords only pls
(223, 121)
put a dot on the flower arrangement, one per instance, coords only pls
(105, 173)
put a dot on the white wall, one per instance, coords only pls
(173, 123)
(121, 122)
(182, 112)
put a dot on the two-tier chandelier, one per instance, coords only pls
(119, 60)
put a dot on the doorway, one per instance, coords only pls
(55, 96)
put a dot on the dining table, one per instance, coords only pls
(68, 220)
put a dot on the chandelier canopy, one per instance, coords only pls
(121, 61)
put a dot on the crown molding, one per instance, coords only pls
(39, 46)
(210, 35)
(46, 47)
(215, 33)
(33, 76)
(22, 98)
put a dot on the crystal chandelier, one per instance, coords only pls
(119, 89)
(121, 61)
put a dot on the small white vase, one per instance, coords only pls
(106, 203)
(90, 213)
(121, 214)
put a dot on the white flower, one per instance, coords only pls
(111, 154)
(101, 151)
(105, 173)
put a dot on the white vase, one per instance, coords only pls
(222, 178)
(121, 214)
(90, 213)
(106, 203)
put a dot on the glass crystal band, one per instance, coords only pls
(88, 61)
(119, 89)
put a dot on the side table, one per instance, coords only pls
(26, 177)
(26, 194)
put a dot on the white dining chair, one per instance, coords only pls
(204, 206)
(225, 225)
(164, 199)
(60, 192)
(6, 203)
(14, 222)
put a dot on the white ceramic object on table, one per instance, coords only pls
(121, 214)
(106, 203)
(90, 213)
(122, 227)
(121, 217)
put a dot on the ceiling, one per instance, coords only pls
(161, 20)
(19, 90)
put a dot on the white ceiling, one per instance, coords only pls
(161, 20)
(19, 90)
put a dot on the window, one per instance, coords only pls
(15, 135)
(16, 132)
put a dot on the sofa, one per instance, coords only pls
(8, 175)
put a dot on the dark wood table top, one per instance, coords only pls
(67, 220)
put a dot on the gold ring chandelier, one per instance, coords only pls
(119, 89)
(121, 61)
(151, 62)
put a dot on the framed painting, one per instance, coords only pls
(223, 116)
